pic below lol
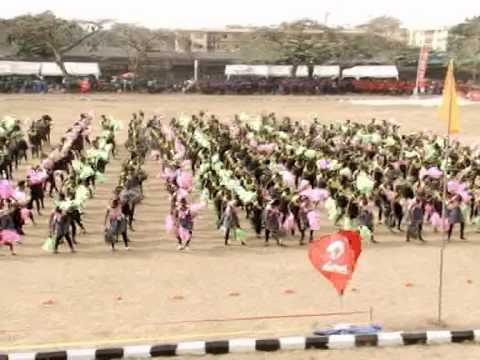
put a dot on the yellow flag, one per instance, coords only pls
(449, 110)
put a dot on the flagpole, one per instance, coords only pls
(444, 237)
(444, 211)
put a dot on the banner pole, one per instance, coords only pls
(444, 232)
(416, 91)
(444, 210)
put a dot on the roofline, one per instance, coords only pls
(254, 29)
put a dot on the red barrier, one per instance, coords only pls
(383, 86)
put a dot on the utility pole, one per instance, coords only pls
(327, 15)
(195, 70)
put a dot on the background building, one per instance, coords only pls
(436, 39)
(229, 39)
(211, 40)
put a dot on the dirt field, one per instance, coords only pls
(97, 297)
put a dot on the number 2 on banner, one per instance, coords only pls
(335, 252)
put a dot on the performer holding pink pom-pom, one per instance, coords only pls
(184, 225)
(273, 222)
(35, 183)
(115, 224)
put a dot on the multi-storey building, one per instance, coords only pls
(436, 39)
(228, 39)
(211, 40)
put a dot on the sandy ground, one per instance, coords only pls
(128, 297)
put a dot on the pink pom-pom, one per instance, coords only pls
(179, 148)
(304, 185)
(428, 209)
(185, 180)
(25, 214)
(47, 164)
(266, 148)
(183, 233)
(307, 193)
(38, 178)
(436, 221)
(289, 223)
(319, 194)
(314, 220)
(323, 164)
(6, 189)
(454, 186)
(434, 173)
(9, 236)
(182, 194)
(198, 206)
(169, 223)
(288, 178)
(465, 196)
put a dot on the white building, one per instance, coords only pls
(436, 39)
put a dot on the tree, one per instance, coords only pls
(302, 42)
(263, 46)
(307, 43)
(3, 33)
(300, 51)
(386, 26)
(464, 46)
(356, 49)
(138, 42)
(303, 25)
(48, 36)
(183, 42)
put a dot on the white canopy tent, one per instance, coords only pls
(372, 71)
(5, 69)
(48, 68)
(246, 70)
(302, 71)
(272, 71)
(258, 70)
(326, 71)
(19, 68)
(280, 70)
(320, 71)
(75, 69)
